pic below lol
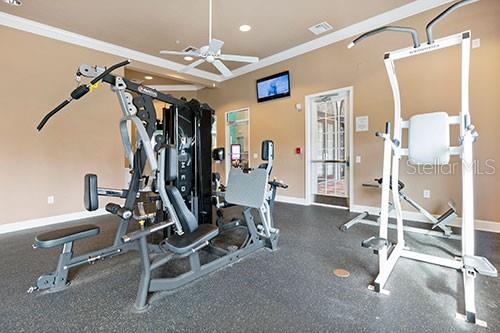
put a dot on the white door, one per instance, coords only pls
(329, 148)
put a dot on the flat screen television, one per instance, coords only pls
(274, 86)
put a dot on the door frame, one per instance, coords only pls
(350, 122)
(227, 165)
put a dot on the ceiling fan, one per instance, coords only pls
(211, 53)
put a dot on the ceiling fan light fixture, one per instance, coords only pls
(188, 58)
(13, 2)
(148, 77)
(245, 28)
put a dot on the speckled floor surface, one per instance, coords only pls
(290, 290)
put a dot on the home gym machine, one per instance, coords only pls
(138, 109)
(442, 223)
(161, 151)
(429, 143)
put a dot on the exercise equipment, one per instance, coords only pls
(138, 110)
(247, 190)
(428, 142)
(190, 131)
(267, 156)
(172, 157)
(442, 222)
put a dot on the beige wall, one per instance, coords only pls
(37, 74)
(428, 83)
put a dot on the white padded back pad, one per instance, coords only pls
(429, 139)
(246, 189)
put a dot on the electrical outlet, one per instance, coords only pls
(50, 200)
(255, 156)
(358, 159)
(476, 43)
(427, 194)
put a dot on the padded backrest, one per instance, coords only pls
(90, 196)
(267, 150)
(246, 189)
(429, 139)
(170, 163)
(218, 154)
(186, 217)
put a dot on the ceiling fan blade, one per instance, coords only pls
(222, 68)
(192, 54)
(238, 58)
(215, 45)
(192, 65)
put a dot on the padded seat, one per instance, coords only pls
(62, 236)
(189, 241)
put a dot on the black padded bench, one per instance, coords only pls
(193, 240)
(66, 235)
(57, 280)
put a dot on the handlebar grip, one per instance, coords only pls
(80, 91)
(51, 113)
(112, 208)
(116, 209)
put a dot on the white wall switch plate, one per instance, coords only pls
(358, 159)
(427, 194)
(50, 200)
(476, 43)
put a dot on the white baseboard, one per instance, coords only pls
(303, 202)
(291, 200)
(45, 221)
(482, 225)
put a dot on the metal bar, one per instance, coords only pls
(439, 44)
(89, 259)
(110, 192)
(106, 252)
(142, 291)
(407, 229)
(456, 264)
(346, 226)
(468, 241)
(388, 266)
(144, 90)
(148, 231)
(331, 161)
(442, 15)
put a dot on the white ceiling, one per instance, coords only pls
(149, 26)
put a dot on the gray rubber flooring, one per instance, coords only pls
(290, 290)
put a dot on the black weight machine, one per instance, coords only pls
(179, 190)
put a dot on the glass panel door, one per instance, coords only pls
(329, 160)
(238, 133)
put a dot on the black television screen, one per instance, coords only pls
(274, 86)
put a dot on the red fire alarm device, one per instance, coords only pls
(298, 150)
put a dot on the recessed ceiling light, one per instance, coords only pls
(148, 77)
(13, 2)
(245, 28)
(188, 58)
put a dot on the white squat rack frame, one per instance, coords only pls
(468, 263)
